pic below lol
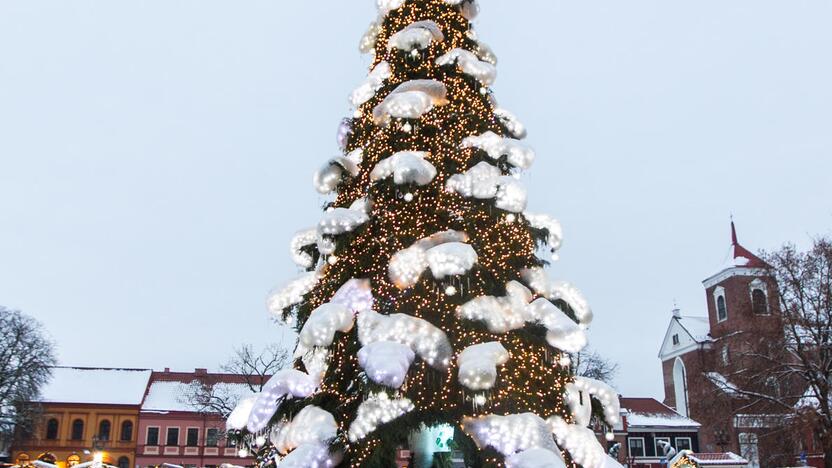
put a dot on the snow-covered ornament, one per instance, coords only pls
(344, 133)
(469, 64)
(288, 383)
(301, 241)
(497, 147)
(369, 39)
(292, 293)
(378, 409)
(406, 167)
(411, 100)
(426, 340)
(386, 362)
(450, 291)
(510, 434)
(478, 365)
(375, 80)
(408, 197)
(328, 177)
(485, 181)
(536, 458)
(552, 227)
(416, 36)
(511, 123)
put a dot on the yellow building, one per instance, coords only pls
(86, 412)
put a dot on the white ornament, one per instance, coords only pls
(478, 365)
(378, 409)
(450, 291)
(332, 260)
(470, 65)
(406, 167)
(408, 197)
(428, 342)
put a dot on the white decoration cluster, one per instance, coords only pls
(288, 383)
(582, 444)
(416, 36)
(292, 293)
(510, 434)
(541, 284)
(511, 123)
(549, 224)
(426, 340)
(486, 54)
(356, 295)
(301, 240)
(485, 181)
(536, 458)
(496, 147)
(311, 426)
(411, 100)
(478, 365)
(386, 362)
(378, 409)
(238, 419)
(341, 220)
(406, 167)
(470, 64)
(327, 178)
(311, 456)
(319, 330)
(375, 80)
(369, 39)
(514, 311)
(579, 395)
(445, 253)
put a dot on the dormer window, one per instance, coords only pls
(721, 305)
(759, 297)
(676, 340)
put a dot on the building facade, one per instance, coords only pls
(86, 411)
(174, 431)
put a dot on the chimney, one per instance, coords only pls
(199, 371)
(167, 370)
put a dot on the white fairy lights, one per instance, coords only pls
(288, 383)
(368, 89)
(470, 64)
(478, 365)
(426, 340)
(386, 362)
(292, 293)
(497, 147)
(378, 409)
(411, 100)
(510, 434)
(418, 35)
(301, 240)
(406, 167)
(485, 181)
(445, 254)
(538, 280)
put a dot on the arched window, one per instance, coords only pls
(104, 430)
(78, 430)
(52, 429)
(721, 309)
(759, 302)
(680, 386)
(123, 462)
(749, 449)
(127, 431)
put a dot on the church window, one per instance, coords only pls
(676, 340)
(680, 386)
(721, 309)
(759, 302)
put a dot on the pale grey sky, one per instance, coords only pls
(156, 156)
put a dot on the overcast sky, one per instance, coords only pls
(156, 156)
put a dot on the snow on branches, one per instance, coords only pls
(578, 394)
(301, 241)
(416, 36)
(375, 80)
(538, 280)
(426, 340)
(328, 177)
(582, 444)
(386, 362)
(288, 383)
(510, 434)
(342, 220)
(478, 365)
(292, 293)
(470, 64)
(561, 331)
(552, 227)
(319, 329)
(485, 181)
(406, 167)
(444, 253)
(311, 426)
(510, 122)
(469, 8)
(376, 410)
(238, 419)
(535, 458)
(497, 147)
(411, 100)
(311, 454)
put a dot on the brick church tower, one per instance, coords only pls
(701, 355)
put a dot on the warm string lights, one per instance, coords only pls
(411, 199)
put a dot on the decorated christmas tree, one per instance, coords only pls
(425, 311)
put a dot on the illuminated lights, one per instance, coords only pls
(378, 409)
(582, 444)
(510, 122)
(386, 363)
(510, 434)
(427, 341)
(300, 241)
(578, 395)
(485, 181)
(444, 253)
(312, 425)
(406, 167)
(286, 383)
(478, 365)
(536, 458)
(341, 220)
(538, 280)
(503, 314)
(470, 64)
(355, 294)
(368, 40)
(375, 80)
(311, 455)
(497, 147)
(292, 293)
(411, 100)
(416, 36)
(319, 330)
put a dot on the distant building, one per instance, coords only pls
(700, 354)
(86, 410)
(173, 431)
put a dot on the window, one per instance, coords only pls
(127, 431)
(192, 437)
(721, 309)
(660, 447)
(636, 445)
(152, 436)
(52, 429)
(104, 430)
(78, 430)
(683, 443)
(749, 449)
(676, 340)
(172, 439)
(123, 462)
(212, 437)
(680, 387)
(759, 302)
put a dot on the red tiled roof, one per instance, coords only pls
(645, 406)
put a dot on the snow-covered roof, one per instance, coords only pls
(738, 257)
(166, 396)
(698, 327)
(96, 386)
(650, 413)
(718, 459)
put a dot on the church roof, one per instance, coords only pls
(739, 257)
(699, 328)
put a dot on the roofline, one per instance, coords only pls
(723, 275)
(131, 369)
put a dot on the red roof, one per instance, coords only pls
(741, 254)
(646, 406)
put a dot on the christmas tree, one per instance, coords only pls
(425, 307)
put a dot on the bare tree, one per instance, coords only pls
(789, 373)
(589, 363)
(26, 358)
(253, 368)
